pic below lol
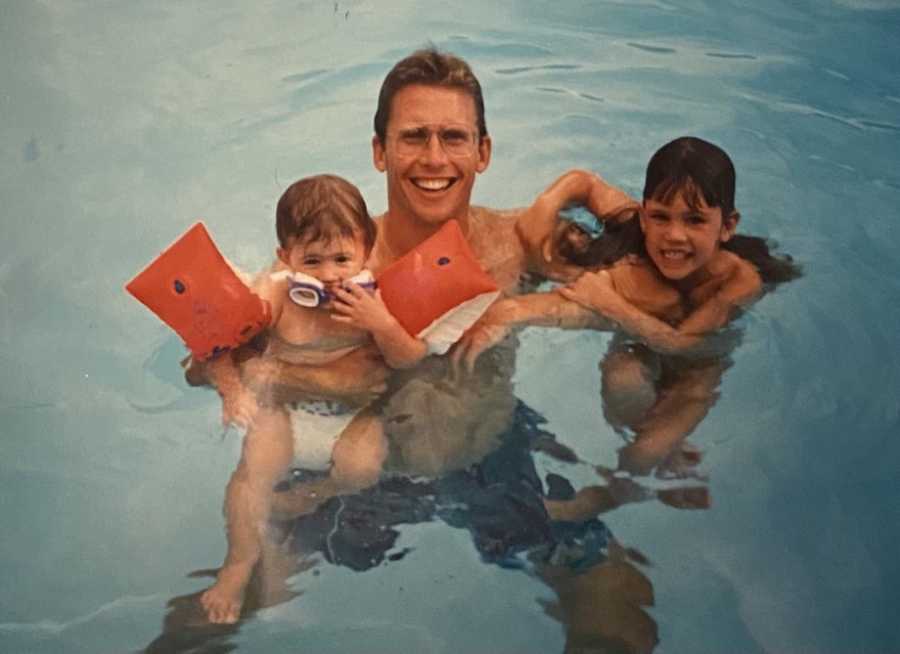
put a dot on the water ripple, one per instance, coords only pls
(879, 125)
(808, 110)
(302, 77)
(837, 74)
(530, 69)
(651, 48)
(731, 55)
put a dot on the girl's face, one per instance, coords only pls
(682, 240)
(331, 262)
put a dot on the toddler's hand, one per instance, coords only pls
(355, 306)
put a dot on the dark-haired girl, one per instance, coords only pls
(667, 274)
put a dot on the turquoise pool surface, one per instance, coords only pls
(124, 122)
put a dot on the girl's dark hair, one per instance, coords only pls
(697, 169)
(323, 207)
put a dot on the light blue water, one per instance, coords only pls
(123, 122)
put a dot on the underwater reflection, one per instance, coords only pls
(656, 401)
(600, 588)
(463, 454)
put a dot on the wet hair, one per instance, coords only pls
(323, 207)
(428, 67)
(697, 170)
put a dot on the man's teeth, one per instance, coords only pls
(432, 184)
(674, 254)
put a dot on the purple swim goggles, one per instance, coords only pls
(307, 291)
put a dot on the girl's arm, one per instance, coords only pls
(593, 302)
(357, 307)
(597, 291)
(538, 227)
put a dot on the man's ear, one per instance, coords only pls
(729, 226)
(378, 154)
(484, 154)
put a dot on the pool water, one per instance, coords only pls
(124, 122)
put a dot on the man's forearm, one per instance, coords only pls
(551, 310)
(359, 373)
(659, 335)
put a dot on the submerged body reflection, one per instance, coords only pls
(513, 522)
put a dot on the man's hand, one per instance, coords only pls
(493, 326)
(239, 408)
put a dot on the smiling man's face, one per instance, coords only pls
(431, 183)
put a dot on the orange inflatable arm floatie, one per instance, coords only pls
(438, 289)
(192, 289)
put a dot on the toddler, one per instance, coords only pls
(322, 309)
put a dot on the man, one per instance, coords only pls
(431, 141)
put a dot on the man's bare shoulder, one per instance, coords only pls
(493, 239)
(495, 218)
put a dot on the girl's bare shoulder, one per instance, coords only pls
(638, 281)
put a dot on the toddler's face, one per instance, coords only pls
(682, 240)
(331, 261)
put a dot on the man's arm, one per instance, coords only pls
(537, 309)
(357, 377)
(540, 229)
(596, 292)
(238, 403)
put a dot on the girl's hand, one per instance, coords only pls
(355, 306)
(593, 290)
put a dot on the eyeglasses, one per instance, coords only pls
(457, 141)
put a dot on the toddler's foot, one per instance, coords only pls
(223, 600)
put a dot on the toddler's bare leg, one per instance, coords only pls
(357, 460)
(266, 455)
(359, 454)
